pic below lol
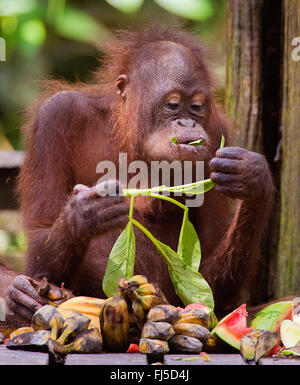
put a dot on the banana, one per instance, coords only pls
(139, 279)
(164, 313)
(158, 330)
(148, 301)
(24, 329)
(194, 316)
(88, 341)
(146, 289)
(72, 327)
(114, 321)
(192, 330)
(37, 340)
(185, 344)
(85, 305)
(139, 312)
(48, 318)
(152, 346)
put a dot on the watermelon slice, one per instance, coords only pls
(213, 322)
(270, 317)
(232, 327)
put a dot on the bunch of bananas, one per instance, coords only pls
(143, 296)
(51, 331)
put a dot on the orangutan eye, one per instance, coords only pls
(197, 107)
(173, 105)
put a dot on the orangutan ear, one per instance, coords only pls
(122, 82)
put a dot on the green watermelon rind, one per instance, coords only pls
(270, 317)
(226, 335)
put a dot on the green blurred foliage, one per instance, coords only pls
(61, 38)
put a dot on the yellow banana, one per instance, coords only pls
(140, 279)
(148, 301)
(84, 305)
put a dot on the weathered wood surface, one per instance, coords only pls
(107, 359)
(19, 357)
(288, 268)
(214, 359)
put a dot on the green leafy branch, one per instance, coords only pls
(183, 265)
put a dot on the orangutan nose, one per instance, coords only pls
(189, 123)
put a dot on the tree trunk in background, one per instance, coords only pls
(288, 267)
(263, 100)
(243, 73)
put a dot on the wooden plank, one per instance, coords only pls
(20, 357)
(107, 359)
(281, 361)
(215, 359)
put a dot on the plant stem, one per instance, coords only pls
(152, 238)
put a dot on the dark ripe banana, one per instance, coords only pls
(158, 330)
(184, 344)
(248, 344)
(114, 322)
(48, 318)
(72, 327)
(54, 294)
(192, 330)
(194, 316)
(139, 312)
(37, 340)
(152, 346)
(265, 343)
(164, 313)
(88, 341)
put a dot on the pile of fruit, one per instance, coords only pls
(139, 314)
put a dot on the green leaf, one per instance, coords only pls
(174, 140)
(185, 359)
(222, 142)
(121, 261)
(189, 285)
(189, 249)
(198, 142)
(190, 9)
(126, 6)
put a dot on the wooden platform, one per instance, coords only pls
(19, 357)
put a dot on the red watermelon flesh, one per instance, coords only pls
(232, 327)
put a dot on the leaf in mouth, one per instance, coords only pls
(198, 142)
(174, 140)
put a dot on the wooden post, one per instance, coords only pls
(243, 73)
(288, 268)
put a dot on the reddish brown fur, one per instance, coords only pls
(63, 149)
